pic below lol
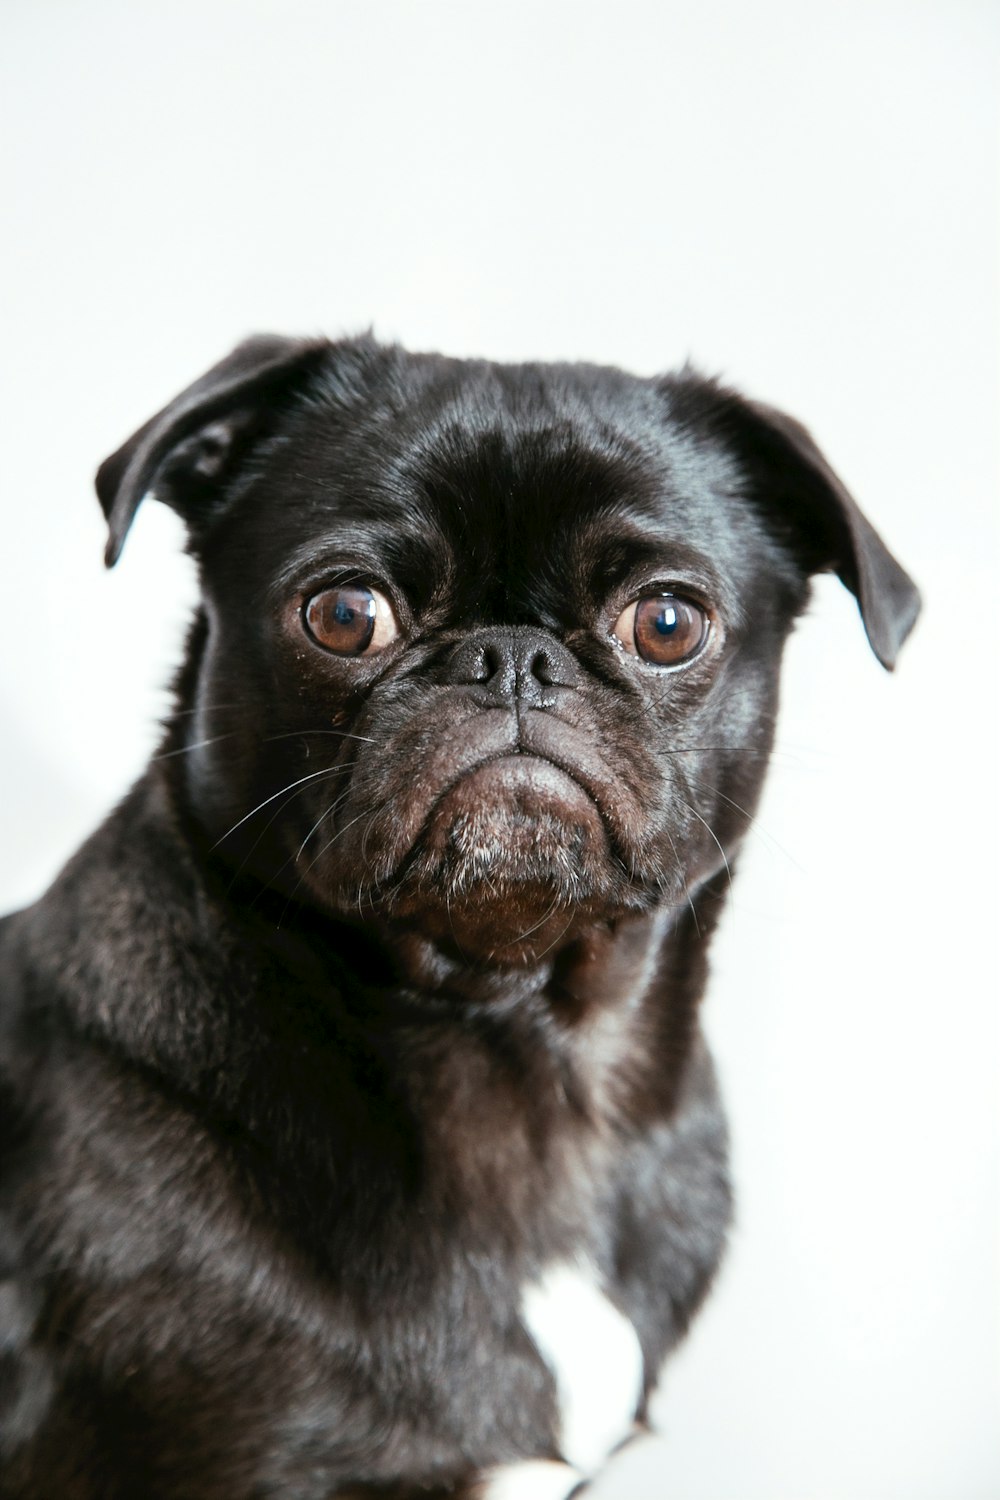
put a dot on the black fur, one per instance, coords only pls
(317, 1049)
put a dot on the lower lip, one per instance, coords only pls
(527, 784)
(525, 777)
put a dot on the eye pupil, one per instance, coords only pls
(666, 621)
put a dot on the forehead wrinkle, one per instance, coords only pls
(388, 543)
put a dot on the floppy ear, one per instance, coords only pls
(187, 451)
(797, 485)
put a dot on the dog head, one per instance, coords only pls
(487, 652)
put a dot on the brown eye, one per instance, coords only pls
(663, 628)
(351, 619)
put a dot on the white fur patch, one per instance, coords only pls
(594, 1354)
(535, 1479)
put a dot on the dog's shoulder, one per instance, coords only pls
(100, 982)
(125, 928)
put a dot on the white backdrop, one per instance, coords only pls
(799, 197)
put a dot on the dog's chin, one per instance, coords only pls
(512, 859)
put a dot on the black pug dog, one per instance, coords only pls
(359, 1138)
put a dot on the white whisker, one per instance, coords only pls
(687, 893)
(725, 860)
(343, 734)
(198, 745)
(321, 819)
(327, 771)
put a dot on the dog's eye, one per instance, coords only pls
(663, 628)
(350, 619)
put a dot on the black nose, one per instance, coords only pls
(512, 665)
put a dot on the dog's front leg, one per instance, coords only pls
(671, 1211)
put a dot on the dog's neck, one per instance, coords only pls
(614, 1009)
(575, 975)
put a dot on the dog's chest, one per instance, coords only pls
(594, 1355)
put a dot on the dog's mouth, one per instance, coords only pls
(506, 856)
(495, 834)
(512, 820)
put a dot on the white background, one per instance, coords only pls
(799, 197)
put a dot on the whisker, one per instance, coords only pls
(200, 708)
(292, 794)
(312, 775)
(321, 819)
(559, 937)
(198, 745)
(754, 826)
(725, 860)
(748, 750)
(541, 921)
(687, 893)
(698, 749)
(315, 860)
(317, 857)
(293, 734)
(368, 812)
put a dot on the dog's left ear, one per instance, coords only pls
(187, 451)
(794, 482)
(847, 541)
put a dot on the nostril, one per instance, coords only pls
(480, 662)
(549, 666)
(540, 667)
(489, 664)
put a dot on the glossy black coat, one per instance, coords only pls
(379, 992)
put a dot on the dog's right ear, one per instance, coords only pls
(186, 452)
